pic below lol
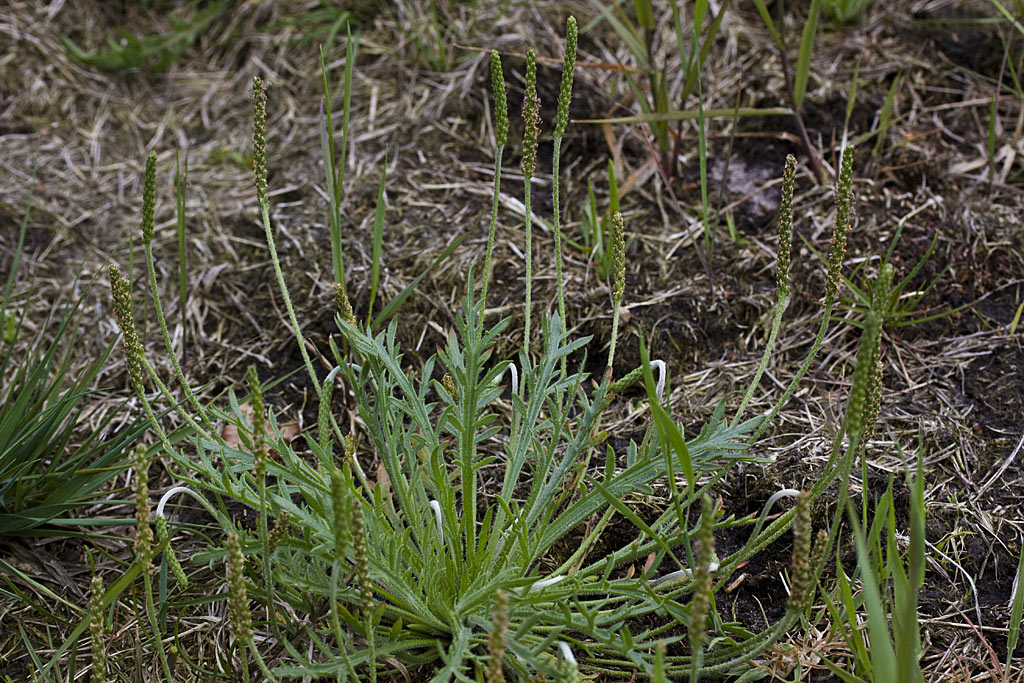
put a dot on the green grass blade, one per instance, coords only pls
(885, 116)
(1016, 610)
(766, 19)
(9, 285)
(644, 14)
(392, 308)
(702, 155)
(331, 174)
(1006, 13)
(378, 240)
(694, 66)
(803, 60)
(667, 428)
(883, 657)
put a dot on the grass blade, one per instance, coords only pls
(378, 240)
(1016, 610)
(392, 308)
(803, 60)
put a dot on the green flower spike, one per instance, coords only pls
(531, 116)
(866, 364)
(500, 100)
(844, 201)
(144, 534)
(568, 66)
(238, 599)
(700, 603)
(801, 573)
(163, 535)
(259, 423)
(97, 631)
(120, 292)
(341, 512)
(259, 139)
(496, 639)
(149, 198)
(785, 228)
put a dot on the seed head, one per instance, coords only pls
(818, 552)
(349, 445)
(97, 630)
(785, 227)
(164, 537)
(238, 600)
(120, 292)
(801, 572)
(880, 292)
(362, 562)
(343, 304)
(496, 639)
(618, 257)
(700, 603)
(874, 398)
(144, 534)
(500, 100)
(323, 421)
(149, 198)
(866, 364)
(259, 139)
(341, 508)
(531, 116)
(844, 202)
(568, 66)
(259, 423)
(280, 531)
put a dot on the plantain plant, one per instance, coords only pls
(481, 547)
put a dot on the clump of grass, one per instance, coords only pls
(48, 469)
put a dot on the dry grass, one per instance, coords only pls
(959, 382)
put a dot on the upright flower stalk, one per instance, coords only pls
(238, 608)
(496, 639)
(259, 165)
(782, 262)
(700, 603)
(144, 551)
(97, 630)
(619, 284)
(531, 119)
(500, 140)
(837, 252)
(148, 229)
(561, 121)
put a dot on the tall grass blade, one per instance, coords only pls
(1016, 611)
(378, 240)
(396, 303)
(885, 116)
(803, 60)
(884, 665)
